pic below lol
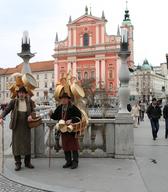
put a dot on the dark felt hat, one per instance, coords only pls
(65, 95)
(154, 99)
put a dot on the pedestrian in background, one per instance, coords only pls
(135, 114)
(154, 113)
(142, 110)
(165, 115)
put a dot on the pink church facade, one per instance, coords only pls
(89, 52)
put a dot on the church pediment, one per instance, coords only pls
(86, 19)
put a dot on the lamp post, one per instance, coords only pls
(25, 54)
(124, 76)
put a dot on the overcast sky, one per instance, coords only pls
(43, 18)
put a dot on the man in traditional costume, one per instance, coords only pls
(70, 114)
(21, 109)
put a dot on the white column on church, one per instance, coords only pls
(97, 74)
(90, 39)
(103, 71)
(74, 37)
(74, 69)
(102, 34)
(81, 40)
(69, 67)
(97, 34)
(56, 76)
(69, 37)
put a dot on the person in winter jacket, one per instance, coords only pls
(154, 113)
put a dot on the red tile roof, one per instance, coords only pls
(35, 67)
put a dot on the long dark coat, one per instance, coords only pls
(21, 134)
(69, 141)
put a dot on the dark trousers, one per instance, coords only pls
(166, 128)
(155, 127)
(71, 156)
(142, 115)
(27, 159)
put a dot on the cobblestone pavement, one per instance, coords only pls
(10, 186)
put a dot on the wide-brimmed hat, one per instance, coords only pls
(65, 95)
(22, 89)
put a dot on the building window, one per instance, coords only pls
(37, 94)
(0, 95)
(37, 76)
(86, 39)
(6, 79)
(86, 75)
(110, 74)
(7, 94)
(45, 76)
(0, 86)
(79, 76)
(45, 85)
(92, 74)
(52, 75)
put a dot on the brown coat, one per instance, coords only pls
(13, 108)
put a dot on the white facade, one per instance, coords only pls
(146, 83)
(44, 78)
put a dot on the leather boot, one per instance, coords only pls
(17, 162)
(68, 159)
(27, 162)
(75, 160)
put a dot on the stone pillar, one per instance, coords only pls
(39, 141)
(110, 149)
(124, 139)
(1, 149)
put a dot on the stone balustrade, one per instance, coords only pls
(102, 138)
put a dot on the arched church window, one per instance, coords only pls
(86, 75)
(110, 86)
(86, 39)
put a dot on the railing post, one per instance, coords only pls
(109, 129)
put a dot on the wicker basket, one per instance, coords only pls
(36, 122)
(82, 124)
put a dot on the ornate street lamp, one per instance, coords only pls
(25, 54)
(124, 74)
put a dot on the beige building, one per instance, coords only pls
(43, 72)
(147, 82)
